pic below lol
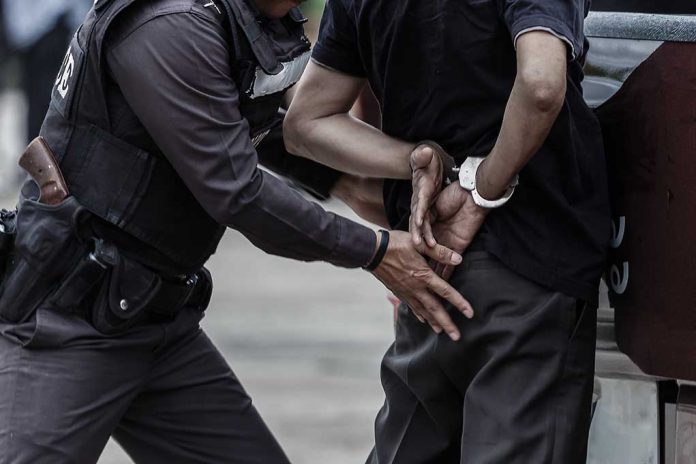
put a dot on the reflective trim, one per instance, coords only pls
(268, 84)
(640, 26)
(258, 138)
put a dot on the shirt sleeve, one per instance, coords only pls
(337, 44)
(562, 18)
(174, 72)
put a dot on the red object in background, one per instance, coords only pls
(650, 136)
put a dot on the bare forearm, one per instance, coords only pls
(364, 196)
(318, 126)
(535, 101)
(352, 146)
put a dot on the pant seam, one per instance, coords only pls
(9, 438)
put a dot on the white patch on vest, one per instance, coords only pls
(68, 68)
(268, 84)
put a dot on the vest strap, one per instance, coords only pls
(259, 42)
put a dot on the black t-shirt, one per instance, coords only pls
(444, 70)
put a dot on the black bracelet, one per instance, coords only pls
(381, 251)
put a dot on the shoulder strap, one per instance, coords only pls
(241, 16)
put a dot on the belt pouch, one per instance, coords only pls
(121, 301)
(46, 247)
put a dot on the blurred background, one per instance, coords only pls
(306, 344)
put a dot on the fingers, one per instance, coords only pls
(437, 317)
(425, 185)
(446, 273)
(441, 254)
(424, 194)
(428, 234)
(424, 316)
(447, 292)
(416, 233)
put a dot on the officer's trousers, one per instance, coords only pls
(516, 389)
(162, 389)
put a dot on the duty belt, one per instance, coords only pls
(170, 297)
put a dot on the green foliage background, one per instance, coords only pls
(313, 9)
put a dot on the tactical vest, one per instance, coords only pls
(140, 192)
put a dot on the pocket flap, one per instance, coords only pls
(132, 287)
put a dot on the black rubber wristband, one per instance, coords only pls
(381, 251)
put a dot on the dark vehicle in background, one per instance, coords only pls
(641, 80)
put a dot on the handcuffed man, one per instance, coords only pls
(496, 84)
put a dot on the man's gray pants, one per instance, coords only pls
(162, 389)
(516, 389)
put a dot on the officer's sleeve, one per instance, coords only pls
(562, 18)
(174, 72)
(337, 44)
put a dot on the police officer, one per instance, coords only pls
(498, 84)
(154, 118)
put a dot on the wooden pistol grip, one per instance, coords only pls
(40, 163)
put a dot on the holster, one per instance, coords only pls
(8, 225)
(54, 263)
(44, 248)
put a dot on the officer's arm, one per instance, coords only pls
(319, 126)
(536, 99)
(174, 72)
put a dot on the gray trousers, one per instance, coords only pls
(162, 389)
(516, 389)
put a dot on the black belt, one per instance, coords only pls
(191, 291)
(171, 296)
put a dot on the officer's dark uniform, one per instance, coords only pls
(153, 117)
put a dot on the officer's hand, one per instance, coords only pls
(457, 220)
(427, 182)
(406, 273)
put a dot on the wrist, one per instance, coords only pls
(446, 163)
(486, 187)
(380, 251)
(481, 177)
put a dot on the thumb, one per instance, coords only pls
(421, 157)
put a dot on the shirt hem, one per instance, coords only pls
(588, 292)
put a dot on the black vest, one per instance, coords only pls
(140, 192)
